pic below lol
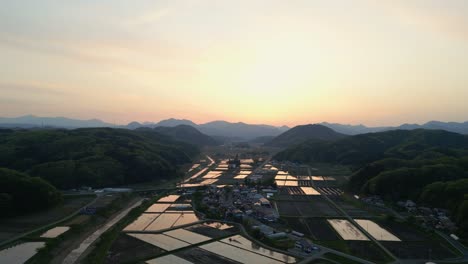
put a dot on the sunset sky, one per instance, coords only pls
(376, 62)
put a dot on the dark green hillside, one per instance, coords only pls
(93, 156)
(21, 194)
(301, 134)
(188, 134)
(361, 149)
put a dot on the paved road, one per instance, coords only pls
(76, 253)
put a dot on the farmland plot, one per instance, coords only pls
(347, 230)
(376, 231)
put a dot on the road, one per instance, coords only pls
(76, 253)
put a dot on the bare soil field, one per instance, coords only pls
(415, 243)
(126, 249)
(419, 249)
(315, 228)
(362, 249)
(350, 209)
(212, 232)
(315, 206)
(320, 229)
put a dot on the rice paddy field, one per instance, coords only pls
(161, 241)
(202, 246)
(55, 232)
(315, 228)
(415, 243)
(198, 255)
(238, 254)
(314, 206)
(127, 249)
(376, 231)
(219, 176)
(20, 253)
(170, 232)
(187, 236)
(242, 242)
(347, 230)
(168, 259)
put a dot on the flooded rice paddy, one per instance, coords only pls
(208, 181)
(168, 259)
(164, 221)
(169, 199)
(142, 222)
(20, 253)
(317, 178)
(281, 183)
(160, 216)
(310, 191)
(234, 248)
(161, 241)
(55, 232)
(347, 230)
(187, 236)
(241, 176)
(157, 208)
(376, 231)
(238, 254)
(244, 243)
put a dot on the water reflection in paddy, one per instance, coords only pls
(55, 232)
(168, 259)
(347, 230)
(20, 253)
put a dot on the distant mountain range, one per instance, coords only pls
(220, 129)
(30, 121)
(184, 133)
(216, 129)
(461, 128)
(299, 134)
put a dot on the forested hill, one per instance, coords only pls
(361, 149)
(300, 134)
(21, 194)
(93, 156)
(186, 134)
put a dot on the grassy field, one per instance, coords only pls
(81, 226)
(362, 249)
(13, 226)
(339, 259)
(416, 243)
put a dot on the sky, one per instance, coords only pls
(373, 62)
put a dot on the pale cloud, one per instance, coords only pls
(446, 18)
(147, 18)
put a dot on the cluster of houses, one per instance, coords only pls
(373, 200)
(430, 217)
(240, 201)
